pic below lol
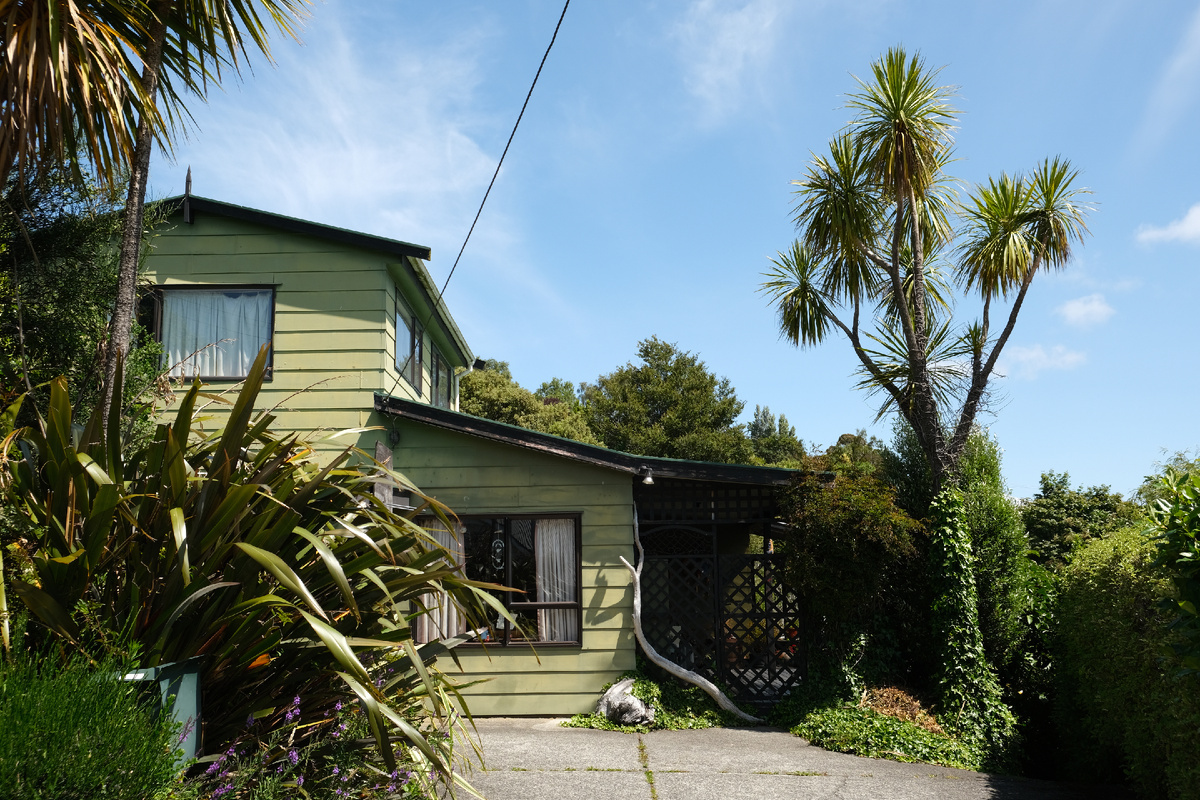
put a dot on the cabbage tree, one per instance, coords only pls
(885, 243)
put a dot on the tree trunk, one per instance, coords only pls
(135, 201)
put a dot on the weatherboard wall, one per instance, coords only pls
(475, 476)
(334, 328)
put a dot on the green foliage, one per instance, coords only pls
(558, 389)
(775, 443)
(1121, 706)
(670, 406)
(491, 393)
(1153, 488)
(970, 701)
(1177, 518)
(280, 763)
(851, 554)
(233, 545)
(905, 467)
(1059, 519)
(74, 731)
(998, 548)
(864, 732)
(56, 295)
(854, 454)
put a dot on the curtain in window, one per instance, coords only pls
(443, 620)
(214, 334)
(557, 579)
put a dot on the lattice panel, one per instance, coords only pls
(694, 501)
(675, 541)
(730, 618)
(678, 599)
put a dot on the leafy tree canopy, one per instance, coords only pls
(56, 292)
(670, 406)
(774, 442)
(491, 393)
(1058, 518)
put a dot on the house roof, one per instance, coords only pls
(578, 451)
(189, 205)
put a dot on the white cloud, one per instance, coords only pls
(1186, 229)
(1086, 311)
(721, 43)
(1028, 362)
(1174, 92)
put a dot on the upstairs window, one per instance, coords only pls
(442, 374)
(409, 350)
(215, 334)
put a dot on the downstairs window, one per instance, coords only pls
(538, 555)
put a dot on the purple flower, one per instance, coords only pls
(335, 769)
(249, 720)
(299, 780)
(293, 756)
(339, 705)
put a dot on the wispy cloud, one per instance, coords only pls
(1174, 92)
(383, 142)
(1028, 362)
(1186, 229)
(721, 43)
(1084, 312)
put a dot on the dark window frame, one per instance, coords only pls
(412, 365)
(522, 605)
(156, 297)
(437, 361)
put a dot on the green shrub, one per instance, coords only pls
(1177, 518)
(863, 732)
(291, 578)
(850, 555)
(77, 731)
(1121, 707)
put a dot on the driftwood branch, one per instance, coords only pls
(679, 672)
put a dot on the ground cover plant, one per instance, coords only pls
(287, 578)
(677, 705)
(76, 731)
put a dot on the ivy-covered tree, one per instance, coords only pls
(669, 405)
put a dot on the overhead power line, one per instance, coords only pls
(499, 163)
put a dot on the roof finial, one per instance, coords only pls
(187, 185)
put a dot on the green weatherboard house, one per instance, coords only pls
(357, 342)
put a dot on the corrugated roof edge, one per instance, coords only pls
(189, 204)
(578, 451)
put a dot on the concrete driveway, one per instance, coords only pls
(538, 759)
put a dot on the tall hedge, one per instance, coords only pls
(1123, 711)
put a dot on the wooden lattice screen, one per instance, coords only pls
(729, 617)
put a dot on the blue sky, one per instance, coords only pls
(648, 186)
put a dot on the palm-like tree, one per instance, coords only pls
(105, 79)
(190, 40)
(873, 217)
